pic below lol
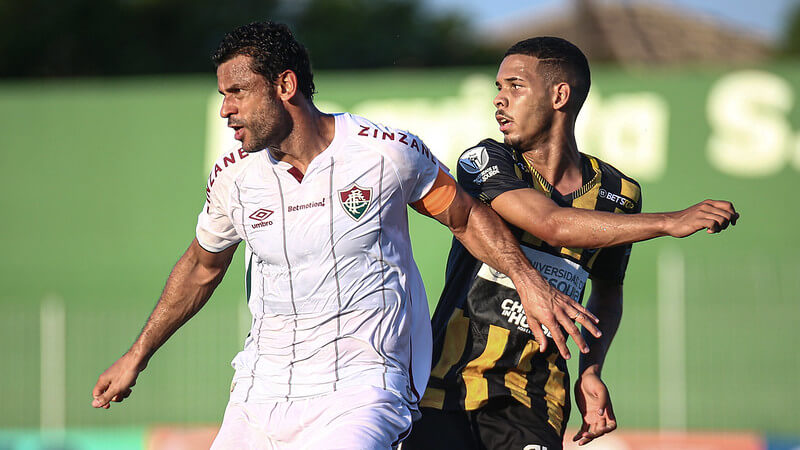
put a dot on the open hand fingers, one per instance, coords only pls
(588, 322)
(569, 326)
(538, 333)
(558, 337)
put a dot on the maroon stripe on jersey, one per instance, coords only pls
(289, 268)
(338, 288)
(296, 174)
(383, 270)
(258, 329)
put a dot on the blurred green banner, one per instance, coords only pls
(103, 180)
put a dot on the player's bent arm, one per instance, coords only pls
(485, 235)
(531, 211)
(605, 302)
(591, 394)
(189, 286)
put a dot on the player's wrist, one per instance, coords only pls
(667, 223)
(138, 357)
(591, 370)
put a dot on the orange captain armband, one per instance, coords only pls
(439, 198)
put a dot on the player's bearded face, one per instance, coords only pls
(267, 126)
(251, 105)
(523, 107)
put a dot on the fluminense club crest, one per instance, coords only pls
(355, 200)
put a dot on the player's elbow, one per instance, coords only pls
(553, 232)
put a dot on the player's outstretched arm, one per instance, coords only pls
(191, 282)
(531, 211)
(591, 394)
(485, 235)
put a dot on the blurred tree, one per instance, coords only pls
(108, 37)
(791, 40)
(364, 33)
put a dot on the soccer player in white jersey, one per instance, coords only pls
(340, 347)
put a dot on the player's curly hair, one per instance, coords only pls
(559, 61)
(273, 49)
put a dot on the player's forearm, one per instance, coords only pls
(488, 239)
(609, 311)
(574, 227)
(188, 288)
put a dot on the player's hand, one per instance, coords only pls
(594, 403)
(556, 311)
(114, 385)
(711, 215)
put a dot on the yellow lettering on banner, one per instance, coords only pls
(555, 394)
(516, 380)
(477, 385)
(454, 341)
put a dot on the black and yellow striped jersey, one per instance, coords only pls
(483, 347)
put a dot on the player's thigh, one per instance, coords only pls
(239, 430)
(510, 425)
(438, 430)
(364, 418)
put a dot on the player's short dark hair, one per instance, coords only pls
(273, 49)
(559, 61)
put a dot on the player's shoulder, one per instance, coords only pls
(478, 157)
(616, 182)
(384, 138)
(227, 168)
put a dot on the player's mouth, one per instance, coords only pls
(238, 131)
(505, 122)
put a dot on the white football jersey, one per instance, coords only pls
(336, 297)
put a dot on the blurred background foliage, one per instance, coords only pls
(125, 37)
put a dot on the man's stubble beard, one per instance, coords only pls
(269, 129)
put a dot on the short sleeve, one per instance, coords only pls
(488, 170)
(416, 165)
(215, 231)
(612, 262)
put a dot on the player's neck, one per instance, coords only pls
(557, 159)
(312, 132)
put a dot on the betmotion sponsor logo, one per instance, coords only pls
(314, 204)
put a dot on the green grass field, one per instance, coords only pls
(103, 180)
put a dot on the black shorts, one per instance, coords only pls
(502, 424)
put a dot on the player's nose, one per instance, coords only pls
(500, 100)
(227, 109)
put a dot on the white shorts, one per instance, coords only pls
(353, 418)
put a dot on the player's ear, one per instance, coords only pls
(286, 84)
(561, 93)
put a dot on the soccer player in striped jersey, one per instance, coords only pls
(492, 384)
(340, 345)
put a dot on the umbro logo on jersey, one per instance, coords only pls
(261, 214)
(355, 200)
